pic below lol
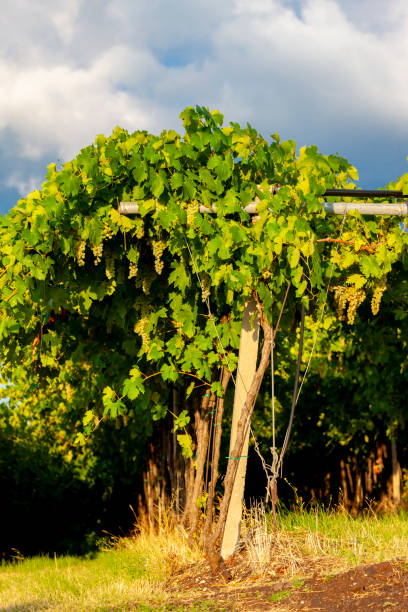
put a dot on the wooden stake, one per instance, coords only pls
(247, 358)
(396, 473)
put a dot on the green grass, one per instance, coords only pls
(71, 583)
(280, 596)
(133, 575)
(128, 577)
(285, 593)
(366, 538)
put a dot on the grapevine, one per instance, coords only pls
(231, 257)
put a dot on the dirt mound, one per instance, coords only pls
(372, 587)
(381, 586)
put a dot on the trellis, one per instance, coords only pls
(249, 339)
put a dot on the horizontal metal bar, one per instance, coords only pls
(335, 208)
(339, 208)
(364, 193)
(132, 208)
(128, 208)
(249, 208)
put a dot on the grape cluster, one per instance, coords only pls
(355, 298)
(69, 392)
(144, 315)
(111, 288)
(351, 297)
(139, 229)
(107, 232)
(376, 299)
(340, 298)
(158, 248)
(140, 329)
(109, 267)
(147, 280)
(80, 253)
(192, 209)
(132, 269)
(97, 253)
(205, 287)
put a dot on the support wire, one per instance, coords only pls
(272, 471)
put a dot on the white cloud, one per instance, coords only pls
(65, 18)
(63, 108)
(17, 180)
(316, 70)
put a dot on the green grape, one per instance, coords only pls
(140, 229)
(109, 267)
(140, 329)
(132, 269)
(158, 248)
(340, 298)
(97, 253)
(80, 253)
(354, 297)
(111, 287)
(349, 297)
(107, 232)
(206, 287)
(147, 281)
(376, 299)
(140, 326)
(192, 210)
(69, 392)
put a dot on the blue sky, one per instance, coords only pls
(325, 72)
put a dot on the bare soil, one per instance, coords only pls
(380, 586)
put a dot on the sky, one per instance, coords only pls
(324, 72)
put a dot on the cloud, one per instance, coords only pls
(63, 107)
(319, 71)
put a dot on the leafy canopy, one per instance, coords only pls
(88, 293)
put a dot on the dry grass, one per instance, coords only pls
(259, 542)
(311, 539)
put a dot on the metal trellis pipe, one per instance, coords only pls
(399, 209)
